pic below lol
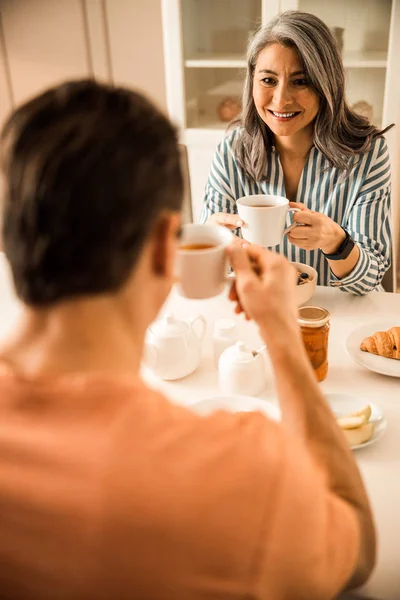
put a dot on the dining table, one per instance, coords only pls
(379, 463)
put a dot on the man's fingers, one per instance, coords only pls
(233, 296)
(259, 258)
(239, 259)
(237, 240)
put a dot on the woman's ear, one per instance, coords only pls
(165, 234)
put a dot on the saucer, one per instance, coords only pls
(234, 404)
(340, 404)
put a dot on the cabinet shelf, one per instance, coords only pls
(351, 60)
(216, 61)
(365, 59)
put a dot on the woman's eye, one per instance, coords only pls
(268, 81)
(302, 81)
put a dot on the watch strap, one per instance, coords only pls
(344, 249)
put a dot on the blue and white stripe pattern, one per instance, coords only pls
(360, 202)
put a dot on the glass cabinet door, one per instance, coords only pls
(361, 28)
(215, 35)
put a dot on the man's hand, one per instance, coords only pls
(319, 231)
(265, 289)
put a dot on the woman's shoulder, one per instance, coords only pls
(230, 139)
(378, 149)
(376, 155)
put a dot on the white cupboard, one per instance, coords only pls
(46, 42)
(43, 42)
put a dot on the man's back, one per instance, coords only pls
(109, 491)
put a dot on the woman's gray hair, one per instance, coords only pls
(339, 133)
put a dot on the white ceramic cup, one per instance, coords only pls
(264, 226)
(202, 273)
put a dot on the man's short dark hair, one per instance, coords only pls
(87, 169)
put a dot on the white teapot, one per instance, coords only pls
(173, 346)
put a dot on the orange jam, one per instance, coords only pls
(314, 326)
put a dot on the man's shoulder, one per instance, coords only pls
(210, 446)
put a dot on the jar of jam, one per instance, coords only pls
(314, 326)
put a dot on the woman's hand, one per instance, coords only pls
(228, 220)
(265, 289)
(319, 231)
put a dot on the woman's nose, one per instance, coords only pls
(282, 96)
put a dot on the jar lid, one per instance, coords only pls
(225, 328)
(313, 316)
(169, 326)
(239, 353)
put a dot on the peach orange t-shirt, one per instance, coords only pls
(109, 491)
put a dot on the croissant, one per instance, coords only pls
(383, 343)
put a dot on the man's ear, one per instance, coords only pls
(165, 234)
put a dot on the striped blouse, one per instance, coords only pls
(360, 202)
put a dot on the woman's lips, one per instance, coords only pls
(284, 116)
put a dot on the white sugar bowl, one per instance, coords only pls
(240, 372)
(173, 346)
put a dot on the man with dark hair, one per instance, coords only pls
(107, 490)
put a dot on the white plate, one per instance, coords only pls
(384, 366)
(343, 405)
(236, 404)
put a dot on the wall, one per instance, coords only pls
(136, 45)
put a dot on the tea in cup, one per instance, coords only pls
(264, 218)
(202, 262)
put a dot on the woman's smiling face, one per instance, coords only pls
(282, 95)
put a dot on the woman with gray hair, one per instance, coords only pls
(297, 137)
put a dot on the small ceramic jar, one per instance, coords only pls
(240, 372)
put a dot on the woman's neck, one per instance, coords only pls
(295, 147)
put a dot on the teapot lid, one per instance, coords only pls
(239, 353)
(169, 326)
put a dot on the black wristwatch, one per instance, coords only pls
(344, 249)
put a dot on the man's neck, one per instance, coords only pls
(82, 336)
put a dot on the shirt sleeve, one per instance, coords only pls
(312, 539)
(369, 224)
(219, 192)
